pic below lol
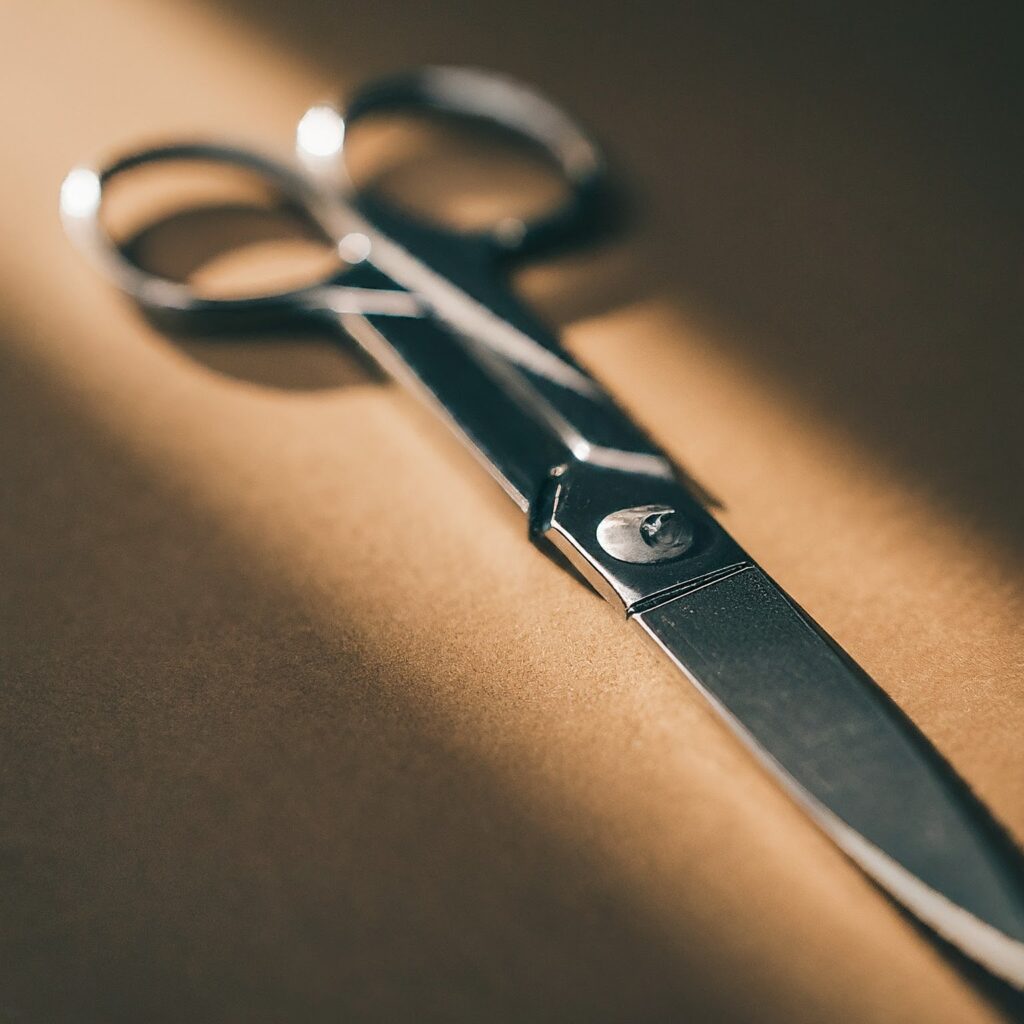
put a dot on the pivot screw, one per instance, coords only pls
(645, 534)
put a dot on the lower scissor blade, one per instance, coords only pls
(846, 753)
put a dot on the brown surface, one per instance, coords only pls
(295, 724)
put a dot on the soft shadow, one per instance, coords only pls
(218, 808)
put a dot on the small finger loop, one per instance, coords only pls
(81, 206)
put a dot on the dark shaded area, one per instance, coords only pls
(220, 811)
(833, 189)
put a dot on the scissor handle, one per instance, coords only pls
(461, 92)
(522, 112)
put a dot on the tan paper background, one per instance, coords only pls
(297, 726)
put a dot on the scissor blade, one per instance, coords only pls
(847, 754)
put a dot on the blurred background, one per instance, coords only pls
(260, 764)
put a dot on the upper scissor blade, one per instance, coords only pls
(852, 759)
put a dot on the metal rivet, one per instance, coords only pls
(645, 534)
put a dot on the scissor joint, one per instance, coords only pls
(635, 555)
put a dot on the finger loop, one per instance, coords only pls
(508, 104)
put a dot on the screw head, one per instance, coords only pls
(645, 534)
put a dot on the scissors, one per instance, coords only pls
(434, 308)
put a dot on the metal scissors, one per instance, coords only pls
(434, 308)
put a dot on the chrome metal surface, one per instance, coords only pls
(849, 757)
(645, 534)
(434, 309)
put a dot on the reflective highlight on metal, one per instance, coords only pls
(80, 193)
(434, 309)
(320, 132)
(647, 533)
